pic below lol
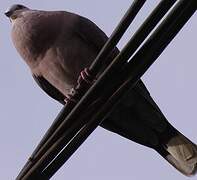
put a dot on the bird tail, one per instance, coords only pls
(181, 153)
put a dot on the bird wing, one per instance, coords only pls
(91, 33)
(49, 88)
(139, 96)
(94, 37)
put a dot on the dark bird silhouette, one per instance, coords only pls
(57, 45)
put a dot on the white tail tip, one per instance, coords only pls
(182, 154)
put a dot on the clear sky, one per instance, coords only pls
(26, 112)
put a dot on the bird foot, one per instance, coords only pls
(86, 76)
(84, 81)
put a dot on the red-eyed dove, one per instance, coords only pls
(58, 45)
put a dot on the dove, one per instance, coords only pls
(58, 45)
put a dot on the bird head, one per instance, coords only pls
(15, 11)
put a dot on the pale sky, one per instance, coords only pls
(27, 112)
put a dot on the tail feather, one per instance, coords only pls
(181, 153)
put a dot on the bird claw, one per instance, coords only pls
(86, 76)
(84, 81)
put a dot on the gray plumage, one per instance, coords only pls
(57, 45)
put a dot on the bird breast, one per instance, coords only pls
(33, 34)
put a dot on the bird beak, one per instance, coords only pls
(8, 13)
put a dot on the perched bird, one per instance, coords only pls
(57, 45)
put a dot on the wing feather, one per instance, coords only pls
(49, 89)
